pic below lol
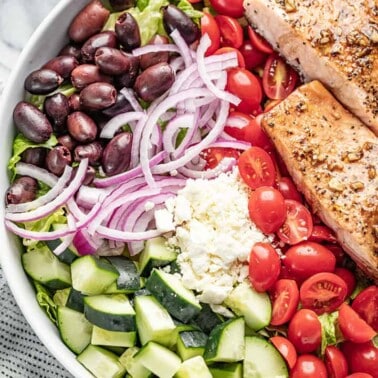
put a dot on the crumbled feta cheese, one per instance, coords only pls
(149, 205)
(164, 220)
(214, 233)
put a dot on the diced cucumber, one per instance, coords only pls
(194, 367)
(143, 291)
(207, 319)
(191, 344)
(262, 359)
(224, 370)
(74, 329)
(159, 360)
(104, 337)
(171, 293)
(255, 307)
(70, 253)
(60, 296)
(133, 365)
(92, 275)
(101, 362)
(44, 267)
(111, 312)
(226, 342)
(129, 278)
(153, 321)
(75, 300)
(156, 253)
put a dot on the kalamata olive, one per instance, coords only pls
(127, 30)
(121, 106)
(42, 81)
(31, 122)
(66, 140)
(88, 21)
(120, 5)
(74, 102)
(117, 154)
(112, 61)
(91, 151)
(128, 78)
(154, 81)
(23, 189)
(175, 18)
(57, 108)
(71, 50)
(35, 156)
(86, 74)
(97, 96)
(89, 175)
(104, 39)
(62, 65)
(81, 127)
(153, 58)
(57, 159)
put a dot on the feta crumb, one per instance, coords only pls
(164, 220)
(149, 205)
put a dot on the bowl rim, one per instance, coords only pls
(14, 274)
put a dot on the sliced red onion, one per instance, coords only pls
(204, 44)
(84, 243)
(130, 97)
(184, 49)
(48, 197)
(157, 138)
(38, 235)
(84, 221)
(177, 64)
(88, 196)
(225, 165)
(58, 201)
(38, 173)
(135, 146)
(235, 144)
(208, 114)
(132, 173)
(74, 209)
(168, 47)
(237, 122)
(118, 121)
(125, 236)
(67, 241)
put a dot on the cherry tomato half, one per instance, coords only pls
(362, 358)
(266, 208)
(264, 266)
(305, 331)
(336, 363)
(353, 327)
(307, 258)
(286, 348)
(323, 292)
(258, 41)
(252, 56)
(286, 186)
(232, 8)
(209, 26)
(298, 224)
(224, 50)
(256, 168)
(247, 87)
(348, 277)
(230, 30)
(366, 305)
(279, 79)
(309, 366)
(285, 299)
(359, 375)
(215, 155)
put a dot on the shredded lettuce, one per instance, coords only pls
(45, 301)
(61, 296)
(20, 144)
(330, 331)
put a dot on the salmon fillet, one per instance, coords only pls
(333, 41)
(333, 159)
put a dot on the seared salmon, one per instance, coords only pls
(333, 159)
(333, 41)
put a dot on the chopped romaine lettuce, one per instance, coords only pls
(45, 301)
(60, 297)
(330, 330)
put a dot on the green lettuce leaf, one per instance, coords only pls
(330, 331)
(45, 301)
(60, 297)
(20, 144)
(187, 7)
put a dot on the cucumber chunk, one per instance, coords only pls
(262, 360)
(207, 319)
(153, 321)
(133, 364)
(128, 278)
(92, 275)
(75, 300)
(101, 362)
(104, 337)
(159, 360)
(156, 253)
(111, 312)
(223, 370)
(226, 342)
(194, 367)
(44, 267)
(74, 329)
(255, 307)
(60, 296)
(180, 302)
(191, 344)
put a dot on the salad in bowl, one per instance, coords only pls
(159, 229)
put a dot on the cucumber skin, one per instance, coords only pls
(184, 311)
(128, 274)
(207, 319)
(227, 370)
(75, 300)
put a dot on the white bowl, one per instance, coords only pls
(45, 43)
